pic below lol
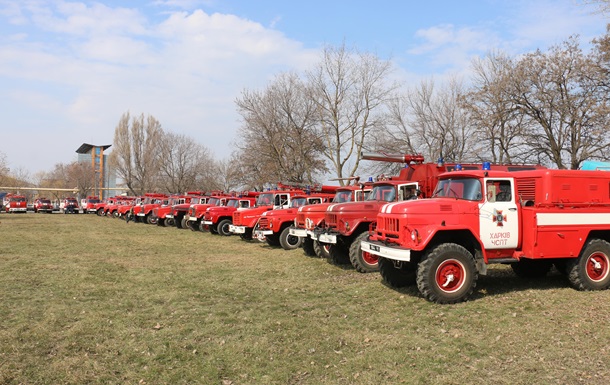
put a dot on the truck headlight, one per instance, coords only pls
(414, 235)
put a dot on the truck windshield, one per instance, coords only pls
(342, 196)
(382, 193)
(298, 202)
(464, 188)
(232, 203)
(214, 201)
(265, 199)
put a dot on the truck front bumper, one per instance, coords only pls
(382, 250)
(301, 233)
(327, 238)
(237, 229)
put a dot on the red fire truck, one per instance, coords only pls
(274, 226)
(310, 217)
(347, 224)
(196, 211)
(162, 215)
(218, 219)
(15, 203)
(532, 220)
(244, 221)
(143, 211)
(88, 204)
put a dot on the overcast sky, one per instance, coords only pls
(70, 69)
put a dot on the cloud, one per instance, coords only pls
(74, 68)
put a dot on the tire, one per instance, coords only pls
(308, 247)
(272, 240)
(223, 227)
(402, 276)
(100, 212)
(151, 220)
(183, 223)
(322, 250)
(289, 242)
(115, 214)
(247, 236)
(203, 227)
(447, 274)
(591, 270)
(362, 261)
(338, 254)
(532, 268)
(169, 222)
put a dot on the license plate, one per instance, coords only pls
(374, 247)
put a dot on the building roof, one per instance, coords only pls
(86, 148)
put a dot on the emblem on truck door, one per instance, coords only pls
(498, 218)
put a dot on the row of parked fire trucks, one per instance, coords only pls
(17, 203)
(435, 225)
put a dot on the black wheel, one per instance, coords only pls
(151, 220)
(362, 261)
(447, 274)
(398, 274)
(272, 240)
(590, 271)
(247, 236)
(162, 222)
(115, 214)
(100, 212)
(532, 268)
(223, 227)
(338, 254)
(322, 250)
(308, 247)
(289, 242)
(203, 227)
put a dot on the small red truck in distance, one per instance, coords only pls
(15, 203)
(218, 219)
(274, 226)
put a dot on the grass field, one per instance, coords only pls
(93, 300)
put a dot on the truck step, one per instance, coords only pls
(502, 260)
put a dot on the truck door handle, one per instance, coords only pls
(513, 209)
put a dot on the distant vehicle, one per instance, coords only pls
(69, 206)
(43, 205)
(14, 203)
(88, 204)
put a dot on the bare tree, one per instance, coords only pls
(4, 169)
(82, 176)
(277, 141)
(350, 90)
(554, 90)
(440, 127)
(135, 152)
(499, 124)
(183, 163)
(225, 176)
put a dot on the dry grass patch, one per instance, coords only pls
(94, 300)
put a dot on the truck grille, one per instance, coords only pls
(390, 225)
(263, 223)
(331, 220)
